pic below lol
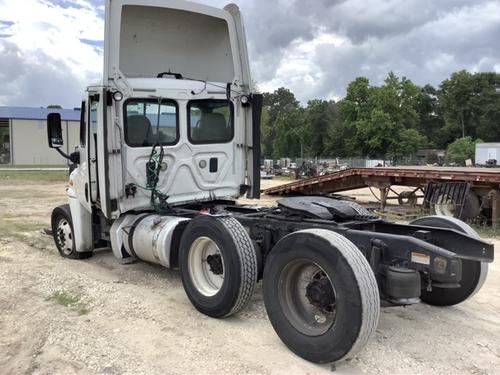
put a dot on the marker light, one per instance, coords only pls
(245, 100)
(117, 96)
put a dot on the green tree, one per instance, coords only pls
(461, 150)
(376, 134)
(485, 106)
(454, 96)
(430, 118)
(277, 104)
(409, 142)
(356, 104)
(289, 127)
(398, 98)
(384, 118)
(471, 105)
(265, 133)
(340, 133)
(318, 117)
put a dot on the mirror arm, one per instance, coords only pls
(63, 154)
(74, 157)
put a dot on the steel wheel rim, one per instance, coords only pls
(205, 277)
(295, 297)
(64, 236)
(446, 207)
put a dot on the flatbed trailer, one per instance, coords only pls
(469, 190)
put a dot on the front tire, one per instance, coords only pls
(63, 233)
(473, 272)
(218, 265)
(321, 295)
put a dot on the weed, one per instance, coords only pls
(70, 300)
(64, 298)
(83, 311)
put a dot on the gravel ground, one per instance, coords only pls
(99, 316)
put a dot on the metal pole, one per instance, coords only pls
(11, 142)
(494, 209)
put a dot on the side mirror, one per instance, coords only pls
(54, 130)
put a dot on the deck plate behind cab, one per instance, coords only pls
(325, 208)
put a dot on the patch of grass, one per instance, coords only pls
(83, 311)
(69, 300)
(18, 230)
(19, 193)
(64, 298)
(488, 232)
(33, 176)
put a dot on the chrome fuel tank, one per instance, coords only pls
(148, 237)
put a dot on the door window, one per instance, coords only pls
(148, 123)
(83, 126)
(210, 121)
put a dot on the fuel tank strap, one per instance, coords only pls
(131, 235)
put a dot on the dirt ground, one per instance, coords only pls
(101, 316)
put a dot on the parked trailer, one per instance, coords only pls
(170, 139)
(451, 191)
(487, 154)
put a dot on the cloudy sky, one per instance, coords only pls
(50, 49)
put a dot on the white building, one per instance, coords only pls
(23, 135)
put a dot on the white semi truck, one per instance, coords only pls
(171, 138)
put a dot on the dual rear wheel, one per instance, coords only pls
(319, 291)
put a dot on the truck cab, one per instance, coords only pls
(176, 86)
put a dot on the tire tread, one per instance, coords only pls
(367, 285)
(248, 261)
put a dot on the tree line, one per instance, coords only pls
(391, 121)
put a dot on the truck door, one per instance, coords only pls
(91, 135)
(81, 176)
(87, 186)
(215, 137)
(108, 152)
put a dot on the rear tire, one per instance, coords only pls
(473, 272)
(218, 265)
(321, 295)
(63, 234)
(472, 207)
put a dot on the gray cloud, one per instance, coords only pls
(37, 79)
(464, 38)
(424, 40)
